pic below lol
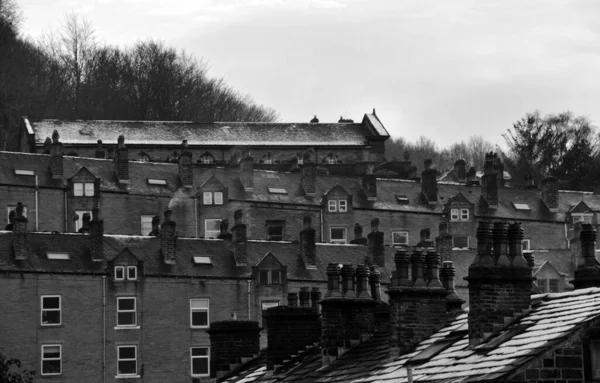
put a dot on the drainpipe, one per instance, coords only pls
(37, 216)
(567, 236)
(409, 374)
(249, 300)
(196, 214)
(104, 328)
(66, 216)
(321, 218)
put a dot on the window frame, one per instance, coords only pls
(461, 236)
(45, 359)
(83, 189)
(10, 208)
(398, 243)
(526, 247)
(464, 214)
(200, 309)
(582, 217)
(269, 274)
(331, 161)
(145, 219)
(332, 206)
(553, 286)
(122, 269)
(272, 224)
(79, 222)
(42, 310)
(218, 231)
(119, 360)
(134, 311)
(338, 241)
(78, 189)
(543, 287)
(192, 357)
(135, 274)
(345, 205)
(206, 159)
(454, 214)
(207, 198)
(218, 198)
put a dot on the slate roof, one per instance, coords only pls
(552, 320)
(88, 132)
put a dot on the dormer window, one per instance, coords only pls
(131, 273)
(119, 273)
(340, 205)
(300, 160)
(459, 214)
(270, 277)
(23, 172)
(152, 181)
(206, 159)
(582, 217)
(210, 198)
(81, 189)
(331, 160)
(58, 255)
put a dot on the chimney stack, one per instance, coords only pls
(472, 177)
(47, 145)
(429, 187)
(99, 150)
(460, 170)
(231, 343)
(309, 179)
(358, 238)
(587, 273)
(550, 193)
(453, 302)
(425, 238)
(489, 181)
(308, 247)
(56, 157)
(168, 239)
(20, 246)
(247, 173)
(224, 228)
(500, 285)
(369, 184)
(376, 255)
(444, 243)
(499, 170)
(121, 160)
(240, 252)
(186, 169)
(96, 240)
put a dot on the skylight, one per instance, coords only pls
(58, 255)
(202, 261)
(521, 206)
(277, 191)
(152, 181)
(23, 172)
(402, 199)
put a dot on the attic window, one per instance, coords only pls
(402, 199)
(57, 255)
(277, 191)
(202, 261)
(152, 181)
(521, 206)
(23, 172)
(435, 348)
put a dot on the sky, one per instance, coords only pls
(443, 69)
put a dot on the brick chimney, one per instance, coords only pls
(99, 150)
(369, 184)
(429, 187)
(376, 254)
(499, 170)
(224, 228)
(232, 342)
(444, 243)
(549, 186)
(308, 247)
(247, 173)
(587, 273)
(20, 246)
(186, 169)
(489, 182)
(56, 157)
(460, 170)
(309, 179)
(575, 244)
(240, 252)
(121, 161)
(348, 315)
(500, 282)
(358, 235)
(418, 307)
(472, 177)
(168, 239)
(96, 240)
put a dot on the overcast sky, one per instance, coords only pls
(444, 69)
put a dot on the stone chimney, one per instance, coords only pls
(587, 273)
(444, 243)
(472, 177)
(224, 228)
(121, 160)
(96, 239)
(247, 173)
(186, 168)
(500, 282)
(489, 182)
(99, 150)
(240, 251)
(369, 184)
(308, 247)
(549, 187)
(168, 239)
(376, 254)
(429, 187)
(232, 342)
(85, 226)
(155, 226)
(56, 157)
(460, 170)
(20, 245)
(418, 307)
(309, 179)
(358, 235)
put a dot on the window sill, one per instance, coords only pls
(127, 376)
(199, 327)
(127, 327)
(50, 325)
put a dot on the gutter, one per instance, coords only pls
(37, 216)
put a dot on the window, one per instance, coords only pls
(542, 286)
(400, 238)
(212, 228)
(332, 205)
(270, 277)
(268, 304)
(23, 172)
(342, 206)
(277, 190)
(300, 160)
(202, 260)
(460, 242)
(200, 361)
(126, 315)
(526, 244)
(153, 181)
(218, 198)
(83, 189)
(58, 255)
(206, 159)
(454, 214)
(199, 313)
(126, 360)
(464, 214)
(553, 285)
(268, 160)
(521, 206)
(337, 235)
(143, 157)
(51, 310)
(331, 160)
(79, 222)
(275, 230)
(459, 214)
(146, 224)
(51, 359)
(119, 273)
(14, 208)
(207, 200)
(583, 218)
(337, 205)
(131, 273)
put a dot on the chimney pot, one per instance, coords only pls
(309, 178)
(247, 173)
(549, 187)
(460, 171)
(429, 187)
(121, 161)
(433, 263)
(56, 157)
(402, 261)
(375, 239)
(99, 150)
(348, 275)
(185, 166)
(375, 284)
(333, 281)
(417, 260)
(358, 238)
(362, 281)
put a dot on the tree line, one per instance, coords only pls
(68, 74)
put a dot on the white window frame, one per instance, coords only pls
(332, 206)
(129, 278)
(78, 189)
(268, 161)
(331, 160)
(207, 198)
(14, 207)
(398, 232)
(582, 217)
(526, 244)
(44, 359)
(192, 357)
(119, 360)
(79, 222)
(464, 214)
(218, 198)
(122, 270)
(454, 214)
(146, 219)
(342, 205)
(462, 248)
(200, 309)
(42, 310)
(300, 160)
(338, 241)
(206, 231)
(83, 189)
(206, 159)
(134, 311)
